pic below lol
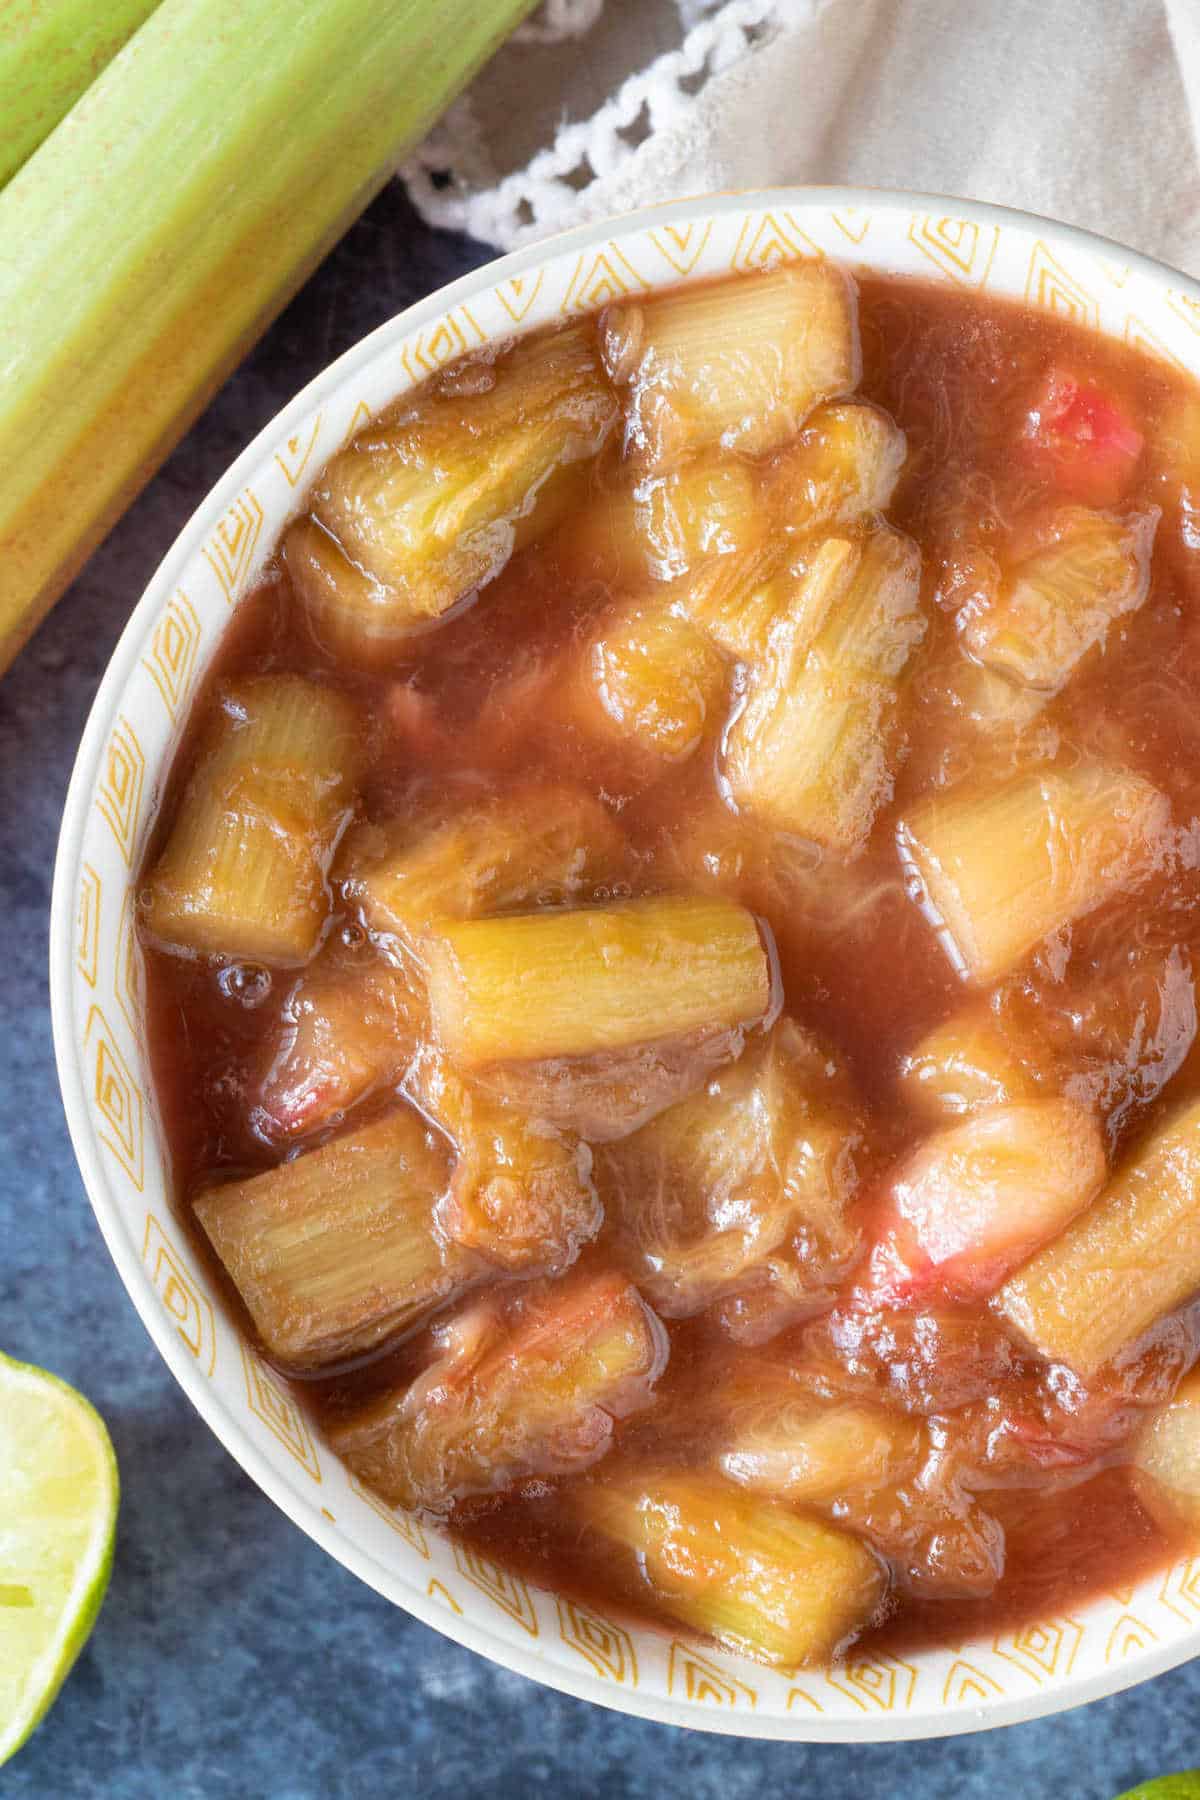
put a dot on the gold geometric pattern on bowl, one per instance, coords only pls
(600, 278)
(271, 1403)
(294, 457)
(607, 1646)
(178, 1289)
(500, 1585)
(883, 1682)
(406, 1524)
(117, 1098)
(1041, 1650)
(698, 1677)
(119, 791)
(230, 549)
(87, 959)
(173, 651)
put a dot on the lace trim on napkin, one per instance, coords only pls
(452, 178)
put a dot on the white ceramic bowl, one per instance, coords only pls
(1118, 1638)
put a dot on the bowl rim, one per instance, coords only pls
(502, 1650)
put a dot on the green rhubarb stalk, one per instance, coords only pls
(170, 216)
(50, 52)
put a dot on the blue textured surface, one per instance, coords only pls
(233, 1658)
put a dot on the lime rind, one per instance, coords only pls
(1182, 1786)
(40, 1683)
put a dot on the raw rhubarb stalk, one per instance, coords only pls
(168, 218)
(50, 53)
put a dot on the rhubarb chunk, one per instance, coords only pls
(522, 1192)
(335, 1252)
(738, 365)
(845, 463)
(997, 708)
(708, 509)
(758, 1579)
(430, 501)
(527, 1387)
(811, 751)
(349, 1025)
(745, 1185)
(243, 871)
(1079, 438)
(655, 680)
(1118, 1025)
(539, 842)
(666, 526)
(611, 1093)
(1088, 569)
(787, 1443)
(1133, 1256)
(1003, 866)
(973, 1202)
(968, 1061)
(603, 978)
(772, 593)
(1167, 1460)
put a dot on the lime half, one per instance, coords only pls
(58, 1516)
(1185, 1786)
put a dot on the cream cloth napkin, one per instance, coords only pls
(1086, 110)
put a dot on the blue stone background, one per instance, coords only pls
(233, 1658)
